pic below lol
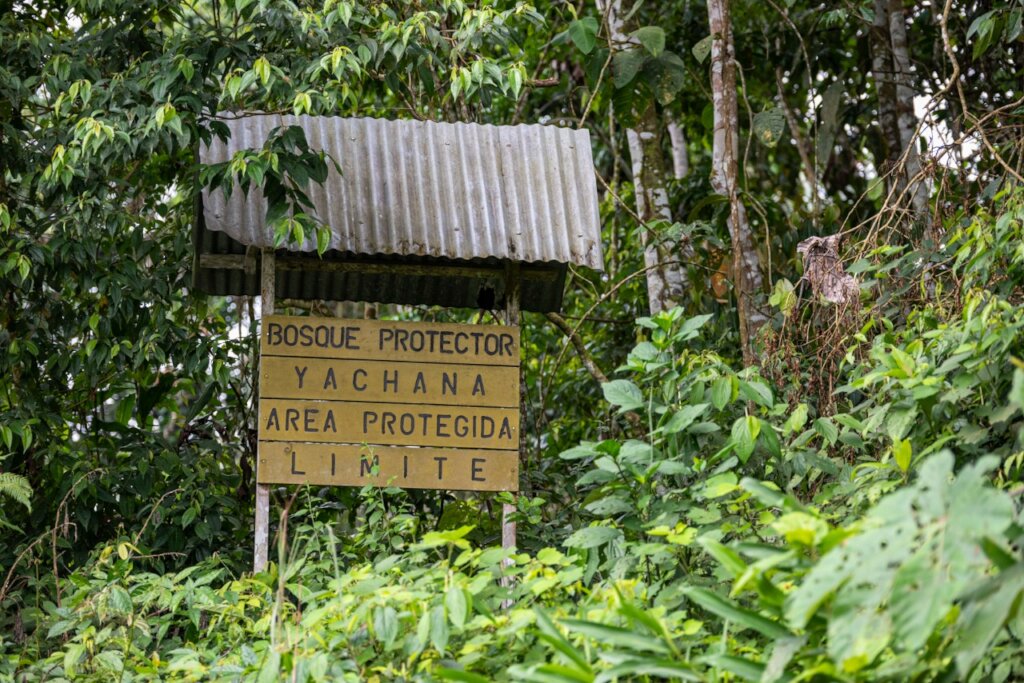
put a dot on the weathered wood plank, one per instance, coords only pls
(310, 337)
(285, 462)
(388, 424)
(389, 382)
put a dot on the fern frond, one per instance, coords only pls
(16, 486)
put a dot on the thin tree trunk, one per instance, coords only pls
(890, 66)
(747, 279)
(680, 155)
(885, 85)
(666, 277)
(905, 116)
(666, 283)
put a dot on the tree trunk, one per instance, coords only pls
(666, 277)
(747, 279)
(680, 155)
(890, 66)
(905, 116)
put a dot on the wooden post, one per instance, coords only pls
(262, 527)
(512, 317)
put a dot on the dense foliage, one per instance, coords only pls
(836, 497)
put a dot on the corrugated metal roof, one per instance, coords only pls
(457, 191)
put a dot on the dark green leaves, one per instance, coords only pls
(768, 126)
(626, 65)
(583, 33)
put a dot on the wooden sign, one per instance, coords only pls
(414, 405)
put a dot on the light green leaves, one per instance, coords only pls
(902, 452)
(892, 584)
(457, 605)
(684, 418)
(592, 537)
(623, 393)
(783, 296)
(702, 49)
(385, 625)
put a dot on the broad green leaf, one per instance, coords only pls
(720, 485)
(721, 392)
(768, 128)
(623, 393)
(592, 537)
(626, 65)
(740, 616)
(615, 636)
(902, 451)
(385, 625)
(758, 392)
(744, 436)
(458, 608)
(652, 38)
(583, 32)
(797, 419)
(683, 418)
(119, 600)
(462, 676)
(439, 629)
(827, 430)
(702, 49)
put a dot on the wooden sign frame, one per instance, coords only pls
(282, 460)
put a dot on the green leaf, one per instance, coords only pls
(902, 452)
(768, 126)
(720, 485)
(985, 615)
(682, 419)
(455, 602)
(727, 609)
(626, 65)
(623, 393)
(119, 600)
(721, 392)
(615, 636)
(796, 420)
(726, 556)
(583, 33)
(439, 629)
(652, 38)
(463, 676)
(553, 637)
(744, 436)
(385, 625)
(592, 537)
(758, 392)
(634, 669)
(826, 430)
(739, 666)
(702, 49)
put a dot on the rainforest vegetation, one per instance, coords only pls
(779, 438)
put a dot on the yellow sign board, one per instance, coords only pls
(415, 405)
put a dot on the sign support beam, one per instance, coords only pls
(512, 318)
(262, 530)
